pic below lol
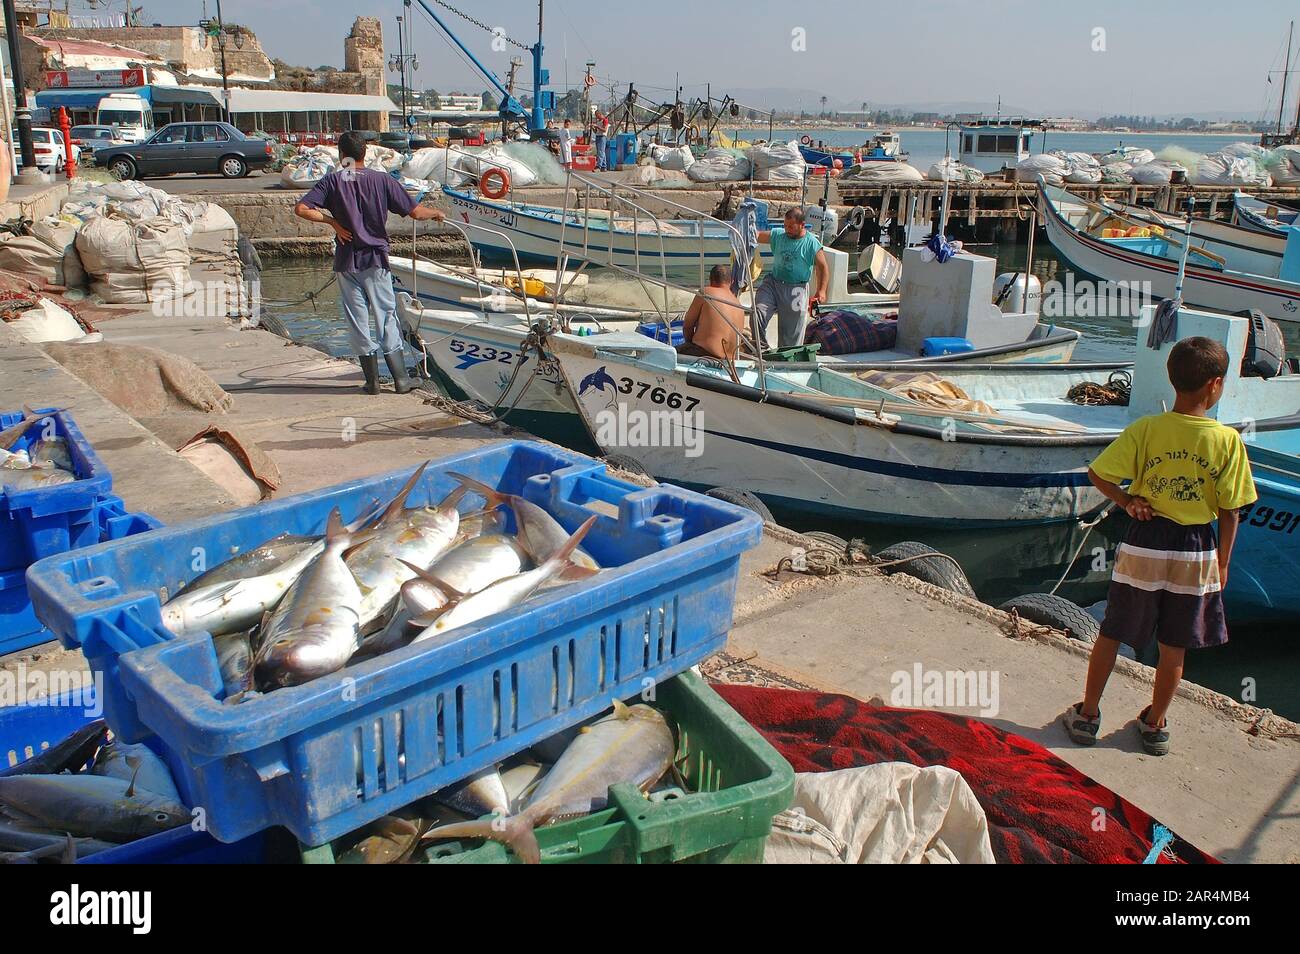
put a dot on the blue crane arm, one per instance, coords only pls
(510, 107)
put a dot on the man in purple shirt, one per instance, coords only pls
(355, 202)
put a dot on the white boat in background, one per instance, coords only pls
(1260, 216)
(1219, 275)
(867, 447)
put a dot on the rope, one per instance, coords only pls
(855, 558)
(309, 297)
(1083, 525)
(481, 25)
(1114, 392)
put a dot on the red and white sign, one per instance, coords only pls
(83, 79)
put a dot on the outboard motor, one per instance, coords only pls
(1010, 286)
(1265, 355)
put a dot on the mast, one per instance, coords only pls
(1286, 72)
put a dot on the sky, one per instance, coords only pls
(1146, 57)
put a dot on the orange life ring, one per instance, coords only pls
(485, 180)
(806, 140)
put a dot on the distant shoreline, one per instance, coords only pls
(804, 127)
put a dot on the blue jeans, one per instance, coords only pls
(600, 150)
(363, 294)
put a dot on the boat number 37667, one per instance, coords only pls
(657, 394)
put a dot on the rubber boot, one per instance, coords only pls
(397, 368)
(370, 368)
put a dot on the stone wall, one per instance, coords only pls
(363, 54)
(187, 48)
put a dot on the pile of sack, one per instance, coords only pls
(883, 172)
(313, 163)
(671, 158)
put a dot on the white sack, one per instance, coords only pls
(950, 170)
(1224, 170)
(49, 253)
(884, 172)
(1053, 169)
(888, 813)
(134, 263)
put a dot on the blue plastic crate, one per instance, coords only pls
(324, 758)
(653, 329)
(38, 523)
(19, 627)
(25, 730)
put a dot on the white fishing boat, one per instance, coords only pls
(1268, 218)
(502, 359)
(996, 143)
(1012, 449)
(1219, 275)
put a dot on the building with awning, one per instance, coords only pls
(269, 110)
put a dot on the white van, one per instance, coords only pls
(130, 113)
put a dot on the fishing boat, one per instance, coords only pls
(1260, 216)
(885, 147)
(1221, 275)
(632, 239)
(993, 144)
(502, 358)
(1008, 449)
(1264, 580)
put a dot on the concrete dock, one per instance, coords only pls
(1231, 785)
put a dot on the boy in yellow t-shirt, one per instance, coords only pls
(1184, 469)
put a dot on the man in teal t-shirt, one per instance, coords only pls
(796, 255)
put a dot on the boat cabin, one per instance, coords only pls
(991, 145)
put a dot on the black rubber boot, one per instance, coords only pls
(397, 368)
(370, 368)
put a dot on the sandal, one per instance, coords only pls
(1155, 738)
(1082, 730)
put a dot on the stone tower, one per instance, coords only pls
(363, 53)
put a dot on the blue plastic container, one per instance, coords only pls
(656, 330)
(37, 523)
(19, 627)
(25, 730)
(934, 347)
(325, 758)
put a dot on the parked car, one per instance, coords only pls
(95, 138)
(187, 147)
(49, 148)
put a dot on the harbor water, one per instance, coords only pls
(1001, 564)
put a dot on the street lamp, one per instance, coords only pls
(398, 62)
(216, 29)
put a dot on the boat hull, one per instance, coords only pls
(1224, 291)
(814, 458)
(1264, 577)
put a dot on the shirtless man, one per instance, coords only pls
(715, 320)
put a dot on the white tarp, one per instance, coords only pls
(950, 170)
(1222, 169)
(781, 161)
(1159, 172)
(1284, 165)
(672, 158)
(1135, 155)
(1053, 169)
(884, 172)
(888, 813)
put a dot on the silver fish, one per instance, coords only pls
(478, 563)
(235, 661)
(36, 477)
(633, 744)
(53, 450)
(540, 533)
(221, 608)
(419, 536)
(18, 840)
(481, 794)
(520, 780)
(505, 593)
(94, 806)
(139, 763)
(389, 841)
(68, 755)
(316, 628)
(10, 435)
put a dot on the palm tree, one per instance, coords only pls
(823, 106)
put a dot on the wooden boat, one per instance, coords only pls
(1223, 275)
(1260, 216)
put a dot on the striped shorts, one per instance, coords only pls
(1166, 587)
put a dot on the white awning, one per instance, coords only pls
(291, 101)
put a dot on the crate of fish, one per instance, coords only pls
(68, 793)
(322, 660)
(681, 777)
(19, 627)
(51, 482)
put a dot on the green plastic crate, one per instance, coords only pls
(803, 352)
(737, 783)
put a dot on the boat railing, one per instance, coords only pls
(464, 233)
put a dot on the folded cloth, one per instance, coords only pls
(847, 332)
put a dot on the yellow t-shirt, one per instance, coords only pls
(1188, 467)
